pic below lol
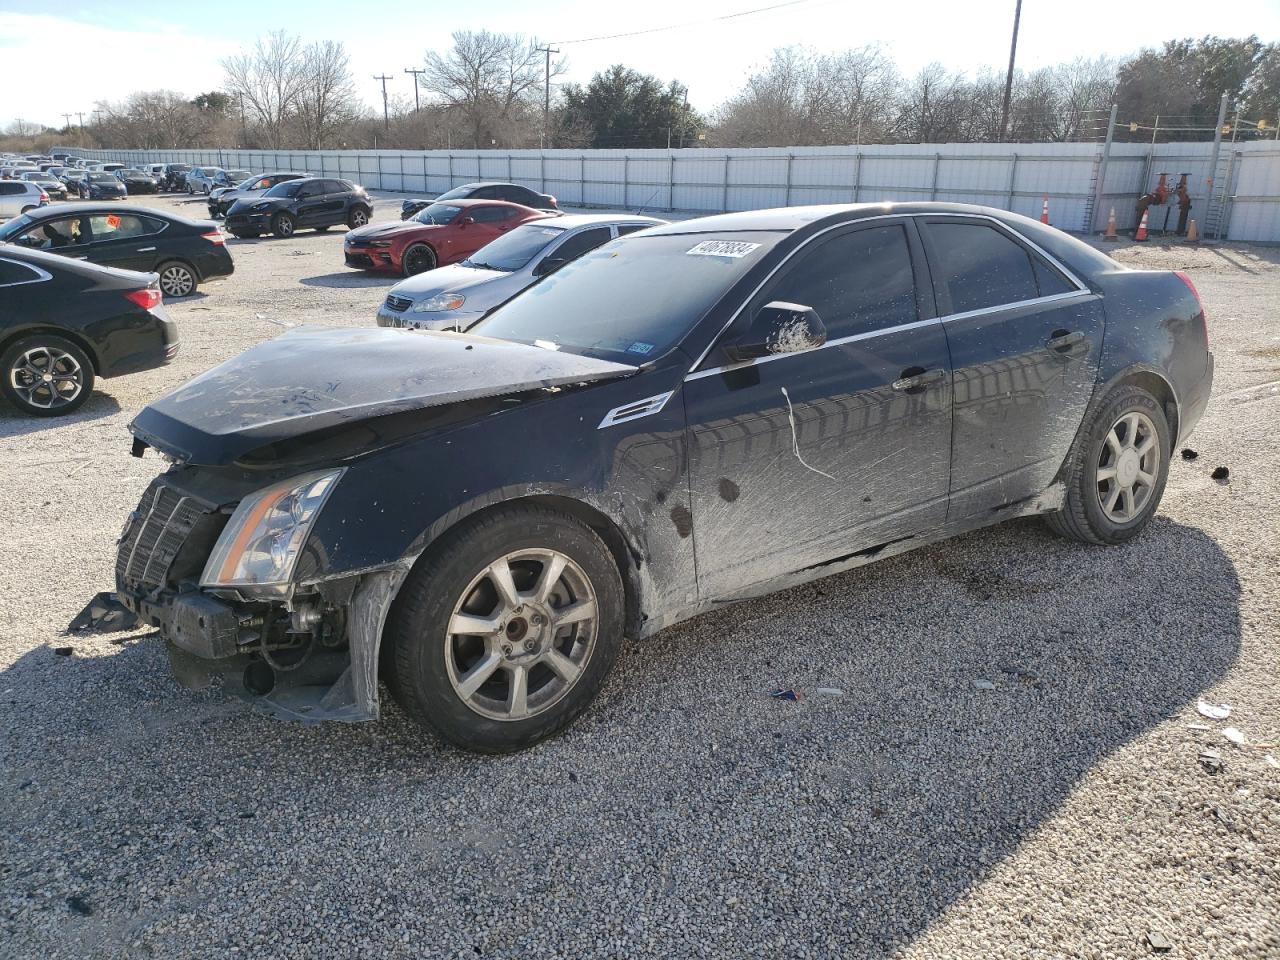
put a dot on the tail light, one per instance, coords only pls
(215, 237)
(1195, 293)
(147, 298)
(553, 200)
(43, 195)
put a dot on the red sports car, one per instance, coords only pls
(440, 234)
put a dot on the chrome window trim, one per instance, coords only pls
(41, 275)
(1081, 288)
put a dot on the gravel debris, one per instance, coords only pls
(685, 815)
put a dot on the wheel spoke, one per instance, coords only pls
(518, 697)
(1131, 429)
(500, 574)
(1110, 505)
(1144, 448)
(474, 679)
(469, 625)
(1127, 495)
(1146, 479)
(562, 666)
(574, 613)
(551, 571)
(1113, 444)
(1106, 473)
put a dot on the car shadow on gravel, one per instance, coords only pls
(14, 423)
(351, 278)
(685, 801)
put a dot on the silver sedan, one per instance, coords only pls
(456, 296)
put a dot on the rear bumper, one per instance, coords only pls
(148, 349)
(1194, 401)
(215, 263)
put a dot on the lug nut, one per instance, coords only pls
(537, 619)
(529, 644)
(506, 649)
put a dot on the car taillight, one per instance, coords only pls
(44, 196)
(215, 237)
(1195, 293)
(553, 200)
(146, 298)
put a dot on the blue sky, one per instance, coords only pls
(104, 50)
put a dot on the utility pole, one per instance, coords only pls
(386, 117)
(68, 119)
(244, 127)
(546, 96)
(80, 139)
(416, 73)
(1008, 80)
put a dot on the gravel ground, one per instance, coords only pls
(1060, 813)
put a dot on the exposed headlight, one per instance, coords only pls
(260, 206)
(260, 545)
(379, 243)
(441, 301)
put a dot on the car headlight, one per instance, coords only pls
(441, 301)
(260, 545)
(379, 243)
(259, 207)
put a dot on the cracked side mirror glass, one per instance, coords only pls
(779, 327)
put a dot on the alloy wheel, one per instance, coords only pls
(47, 377)
(177, 281)
(521, 634)
(418, 259)
(1128, 467)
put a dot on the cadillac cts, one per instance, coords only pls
(693, 414)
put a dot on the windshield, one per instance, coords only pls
(458, 193)
(630, 300)
(515, 249)
(289, 188)
(179, 167)
(437, 213)
(103, 178)
(15, 226)
(239, 174)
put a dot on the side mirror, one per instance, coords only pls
(549, 265)
(466, 221)
(779, 327)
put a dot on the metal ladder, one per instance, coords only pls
(1216, 213)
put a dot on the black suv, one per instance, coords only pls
(296, 204)
(175, 176)
(510, 192)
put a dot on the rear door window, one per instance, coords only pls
(857, 282)
(580, 243)
(979, 267)
(491, 214)
(117, 226)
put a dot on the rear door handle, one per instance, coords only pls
(1062, 341)
(144, 249)
(916, 379)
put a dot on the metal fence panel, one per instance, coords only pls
(1009, 176)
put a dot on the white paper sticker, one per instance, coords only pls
(722, 248)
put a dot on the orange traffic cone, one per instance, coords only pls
(1193, 235)
(1110, 233)
(1044, 211)
(1141, 233)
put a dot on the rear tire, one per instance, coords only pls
(283, 225)
(532, 675)
(25, 365)
(358, 217)
(1116, 471)
(177, 279)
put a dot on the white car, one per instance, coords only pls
(19, 196)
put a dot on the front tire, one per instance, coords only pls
(418, 258)
(45, 375)
(283, 225)
(177, 279)
(1116, 472)
(504, 633)
(358, 217)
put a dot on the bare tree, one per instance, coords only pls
(326, 101)
(271, 78)
(492, 82)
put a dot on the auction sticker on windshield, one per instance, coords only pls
(721, 248)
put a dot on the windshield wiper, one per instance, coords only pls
(484, 266)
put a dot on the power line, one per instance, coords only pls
(690, 23)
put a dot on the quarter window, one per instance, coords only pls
(11, 272)
(980, 267)
(857, 282)
(1048, 280)
(491, 214)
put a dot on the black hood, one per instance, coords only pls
(313, 379)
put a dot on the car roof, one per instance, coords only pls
(56, 263)
(787, 219)
(476, 202)
(71, 209)
(571, 221)
(490, 183)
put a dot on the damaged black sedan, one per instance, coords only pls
(690, 415)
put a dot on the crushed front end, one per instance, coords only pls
(212, 561)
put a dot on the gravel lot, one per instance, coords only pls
(1062, 813)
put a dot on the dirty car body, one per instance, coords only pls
(882, 407)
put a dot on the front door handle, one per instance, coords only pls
(144, 250)
(1061, 341)
(917, 379)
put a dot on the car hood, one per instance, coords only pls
(444, 280)
(384, 231)
(312, 379)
